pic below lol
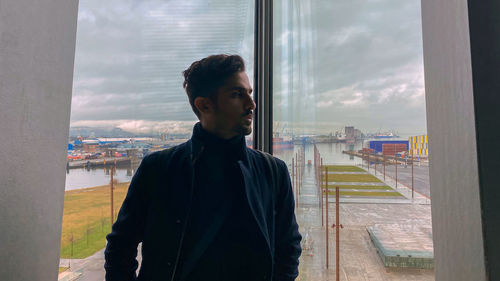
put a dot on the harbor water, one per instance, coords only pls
(84, 178)
(331, 153)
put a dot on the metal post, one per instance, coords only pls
(337, 234)
(316, 161)
(321, 194)
(111, 191)
(316, 166)
(293, 178)
(319, 176)
(296, 166)
(299, 173)
(396, 165)
(376, 165)
(326, 215)
(368, 161)
(301, 169)
(412, 182)
(296, 180)
(299, 163)
(383, 157)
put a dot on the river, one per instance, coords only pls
(331, 153)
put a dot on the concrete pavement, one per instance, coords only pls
(358, 256)
(420, 173)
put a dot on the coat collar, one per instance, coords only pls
(202, 138)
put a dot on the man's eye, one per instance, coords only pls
(236, 94)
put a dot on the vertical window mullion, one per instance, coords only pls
(263, 75)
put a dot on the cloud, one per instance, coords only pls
(355, 101)
(367, 62)
(345, 62)
(327, 103)
(141, 126)
(130, 54)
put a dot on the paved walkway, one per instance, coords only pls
(421, 176)
(358, 257)
(88, 269)
(421, 194)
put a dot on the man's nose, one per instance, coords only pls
(251, 104)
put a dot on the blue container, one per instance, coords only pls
(377, 144)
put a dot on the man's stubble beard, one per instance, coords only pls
(242, 130)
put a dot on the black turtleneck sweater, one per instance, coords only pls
(220, 204)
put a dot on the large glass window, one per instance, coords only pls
(128, 101)
(348, 89)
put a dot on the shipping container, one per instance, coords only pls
(394, 148)
(377, 144)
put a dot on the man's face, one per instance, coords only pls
(235, 107)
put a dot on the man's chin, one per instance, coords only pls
(248, 131)
(244, 130)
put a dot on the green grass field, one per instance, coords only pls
(356, 190)
(372, 187)
(86, 219)
(343, 168)
(351, 178)
(367, 194)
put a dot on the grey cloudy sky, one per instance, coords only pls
(364, 59)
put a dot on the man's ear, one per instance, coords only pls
(204, 105)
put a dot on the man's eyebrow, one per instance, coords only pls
(240, 89)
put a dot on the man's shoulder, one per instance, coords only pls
(165, 154)
(261, 156)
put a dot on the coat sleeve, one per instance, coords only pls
(127, 232)
(287, 240)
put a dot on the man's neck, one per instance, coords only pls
(217, 132)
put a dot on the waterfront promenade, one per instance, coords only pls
(359, 259)
(420, 173)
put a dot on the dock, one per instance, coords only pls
(379, 158)
(101, 162)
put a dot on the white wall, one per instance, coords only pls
(456, 212)
(37, 47)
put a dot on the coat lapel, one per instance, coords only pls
(254, 198)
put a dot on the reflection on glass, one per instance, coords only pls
(348, 92)
(128, 100)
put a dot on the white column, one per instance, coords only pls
(37, 48)
(456, 208)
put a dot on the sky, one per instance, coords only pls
(360, 62)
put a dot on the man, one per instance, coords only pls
(210, 208)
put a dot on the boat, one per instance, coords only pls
(387, 135)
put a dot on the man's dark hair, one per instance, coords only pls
(204, 77)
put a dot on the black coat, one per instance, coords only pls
(156, 209)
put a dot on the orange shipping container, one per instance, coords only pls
(392, 149)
